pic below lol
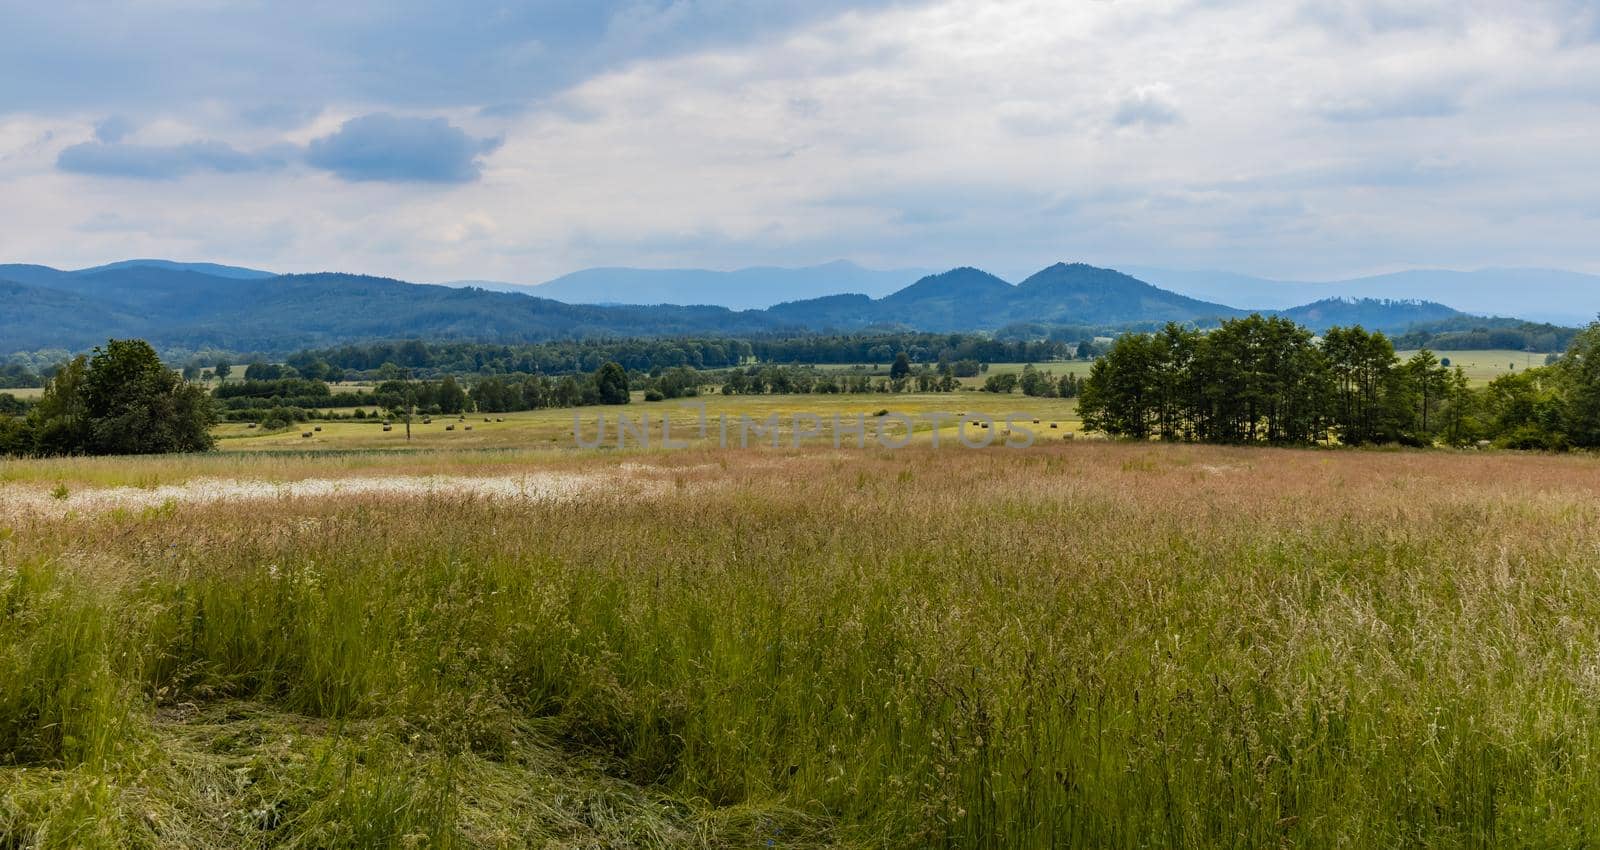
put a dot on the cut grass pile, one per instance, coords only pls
(1106, 645)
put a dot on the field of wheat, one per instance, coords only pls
(1074, 645)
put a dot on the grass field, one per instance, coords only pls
(1484, 366)
(1086, 644)
(1059, 368)
(554, 427)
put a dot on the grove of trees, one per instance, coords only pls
(1269, 380)
(119, 400)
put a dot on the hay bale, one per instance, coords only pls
(498, 419)
(305, 434)
(1036, 422)
(449, 427)
(469, 427)
(1054, 425)
(251, 425)
(388, 427)
(318, 428)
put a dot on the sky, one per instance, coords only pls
(521, 140)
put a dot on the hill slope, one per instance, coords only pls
(1379, 314)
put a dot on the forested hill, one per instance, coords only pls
(971, 299)
(199, 306)
(180, 308)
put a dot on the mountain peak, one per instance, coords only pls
(963, 282)
(1077, 275)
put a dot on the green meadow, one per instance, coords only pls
(1081, 644)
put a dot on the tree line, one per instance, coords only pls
(1269, 380)
(432, 359)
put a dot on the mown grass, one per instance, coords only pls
(1101, 645)
(552, 428)
(1483, 366)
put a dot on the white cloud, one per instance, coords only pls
(1312, 140)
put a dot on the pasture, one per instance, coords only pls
(553, 428)
(1091, 644)
(1484, 366)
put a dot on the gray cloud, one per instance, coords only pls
(403, 53)
(113, 129)
(165, 162)
(389, 147)
(1390, 106)
(376, 147)
(1148, 106)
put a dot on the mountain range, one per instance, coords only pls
(195, 306)
(1545, 295)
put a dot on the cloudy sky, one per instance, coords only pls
(520, 140)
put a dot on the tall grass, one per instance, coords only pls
(1107, 646)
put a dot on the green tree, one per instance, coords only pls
(1458, 417)
(1036, 383)
(1369, 404)
(1526, 409)
(136, 405)
(450, 397)
(901, 368)
(222, 370)
(611, 383)
(1001, 383)
(60, 421)
(1429, 383)
(1580, 367)
(1119, 395)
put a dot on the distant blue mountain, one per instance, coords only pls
(1546, 295)
(235, 272)
(743, 289)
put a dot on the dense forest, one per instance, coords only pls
(1269, 380)
(1473, 333)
